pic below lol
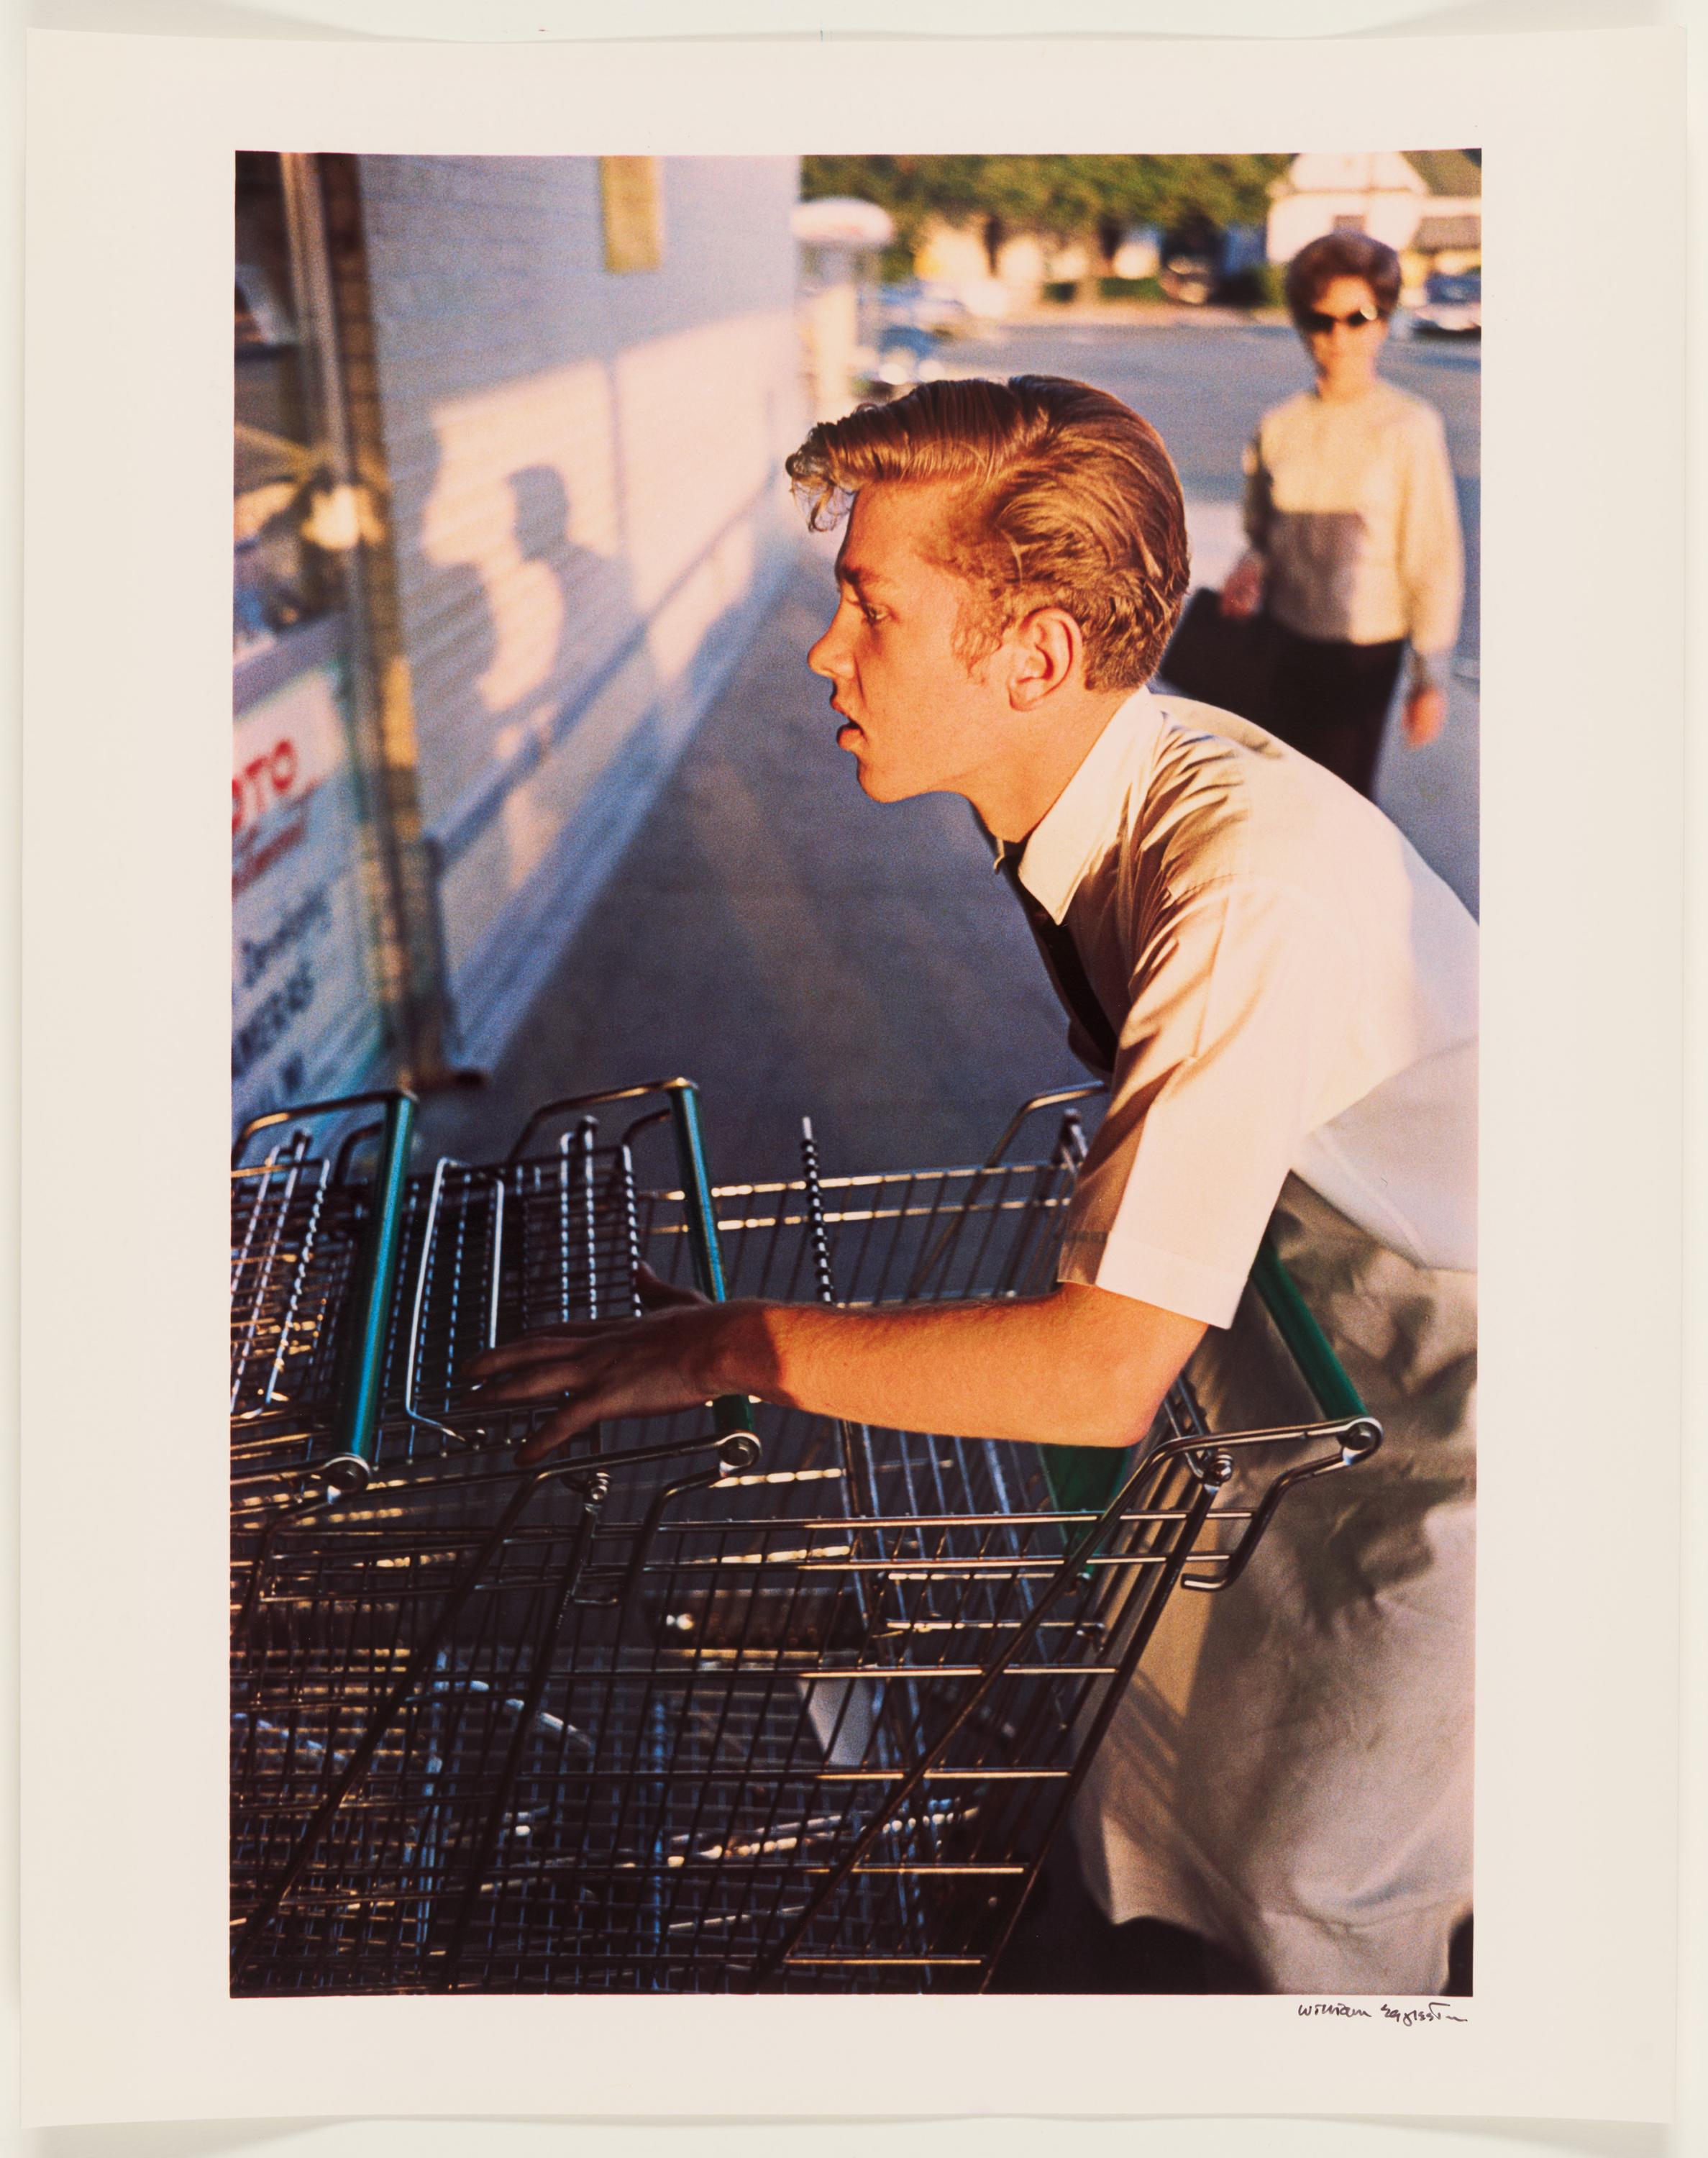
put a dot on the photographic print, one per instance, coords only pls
(1065, 1584)
(800, 1256)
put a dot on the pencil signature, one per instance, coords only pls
(1433, 2011)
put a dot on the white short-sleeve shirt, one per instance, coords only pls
(1293, 989)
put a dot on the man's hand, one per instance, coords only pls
(1425, 715)
(1242, 591)
(609, 1367)
(1082, 1366)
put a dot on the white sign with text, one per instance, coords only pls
(304, 1019)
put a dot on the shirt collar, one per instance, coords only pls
(1061, 845)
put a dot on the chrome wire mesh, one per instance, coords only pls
(661, 1716)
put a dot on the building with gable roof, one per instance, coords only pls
(1427, 204)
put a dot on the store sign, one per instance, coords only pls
(303, 1017)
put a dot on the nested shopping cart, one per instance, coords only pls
(737, 1699)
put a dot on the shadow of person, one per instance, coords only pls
(569, 620)
(532, 628)
(542, 519)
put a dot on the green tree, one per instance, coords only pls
(1091, 199)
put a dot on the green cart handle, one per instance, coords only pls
(356, 1427)
(1083, 1479)
(1296, 1323)
(357, 1431)
(732, 1414)
(299, 1112)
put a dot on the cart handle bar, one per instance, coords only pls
(356, 1427)
(571, 1102)
(731, 1413)
(1053, 1099)
(992, 1163)
(271, 1116)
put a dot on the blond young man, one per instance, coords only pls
(1284, 998)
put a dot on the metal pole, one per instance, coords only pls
(411, 944)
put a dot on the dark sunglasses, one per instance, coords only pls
(1316, 322)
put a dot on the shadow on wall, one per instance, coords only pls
(554, 697)
(532, 672)
(793, 946)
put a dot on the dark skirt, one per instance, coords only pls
(1331, 699)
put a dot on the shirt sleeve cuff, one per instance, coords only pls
(1128, 1268)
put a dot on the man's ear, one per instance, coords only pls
(1048, 652)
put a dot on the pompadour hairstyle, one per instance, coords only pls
(1319, 262)
(1063, 497)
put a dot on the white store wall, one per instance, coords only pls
(588, 510)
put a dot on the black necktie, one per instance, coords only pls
(1066, 968)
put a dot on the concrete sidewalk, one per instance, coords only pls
(795, 948)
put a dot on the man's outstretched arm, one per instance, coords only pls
(1080, 1366)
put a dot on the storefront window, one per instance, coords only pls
(306, 1019)
(281, 578)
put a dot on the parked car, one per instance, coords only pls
(1189, 279)
(905, 355)
(1453, 305)
(925, 303)
(1202, 262)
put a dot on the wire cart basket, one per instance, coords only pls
(737, 1699)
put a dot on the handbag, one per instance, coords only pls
(1225, 660)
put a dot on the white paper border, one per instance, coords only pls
(125, 1091)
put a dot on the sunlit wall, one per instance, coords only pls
(588, 380)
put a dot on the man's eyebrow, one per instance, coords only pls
(861, 579)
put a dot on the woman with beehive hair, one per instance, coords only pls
(1355, 557)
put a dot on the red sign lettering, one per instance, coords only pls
(263, 783)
